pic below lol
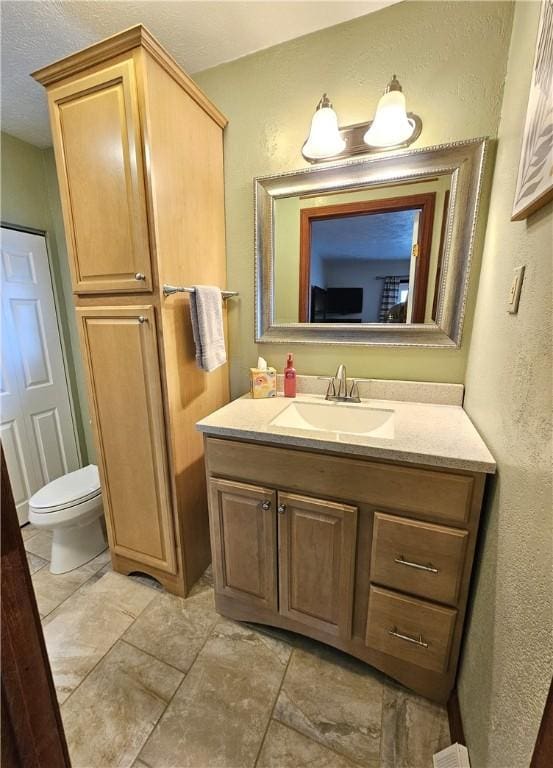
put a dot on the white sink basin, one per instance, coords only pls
(337, 418)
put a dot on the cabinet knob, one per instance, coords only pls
(141, 319)
(265, 505)
(281, 509)
(140, 276)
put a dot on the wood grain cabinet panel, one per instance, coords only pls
(316, 562)
(410, 629)
(97, 141)
(444, 496)
(244, 540)
(420, 558)
(123, 373)
(139, 159)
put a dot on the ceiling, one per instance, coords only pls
(382, 236)
(198, 34)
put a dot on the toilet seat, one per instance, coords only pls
(67, 491)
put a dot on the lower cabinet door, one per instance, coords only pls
(317, 541)
(122, 365)
(243, 540)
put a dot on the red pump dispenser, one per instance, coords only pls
(290, 377)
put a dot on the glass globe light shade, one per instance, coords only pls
(324, 137)
(391, 125)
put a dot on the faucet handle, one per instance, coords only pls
(331, 389)
(354, 391)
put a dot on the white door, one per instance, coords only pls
(413, 266)
(36, 422)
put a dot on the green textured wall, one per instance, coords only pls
(451, 59)
(30, 198)
(508, 659)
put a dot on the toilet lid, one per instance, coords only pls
(67, 490)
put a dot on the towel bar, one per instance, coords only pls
(168, 290)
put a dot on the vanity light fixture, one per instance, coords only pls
(392, 128)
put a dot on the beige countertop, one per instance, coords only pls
(429, 433)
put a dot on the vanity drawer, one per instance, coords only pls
(410, 629)
(416, 557)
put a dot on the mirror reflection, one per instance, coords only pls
(371, 255)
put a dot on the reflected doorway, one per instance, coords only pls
(366, 261)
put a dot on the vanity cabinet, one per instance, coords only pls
(373, 557)
(139, 159)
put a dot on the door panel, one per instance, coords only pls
(317, 542)
(123, 371)
(243, 534)
(99, 158)
(37, 421)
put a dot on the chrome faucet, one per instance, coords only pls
(340, 390)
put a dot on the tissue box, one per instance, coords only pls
(263, 382)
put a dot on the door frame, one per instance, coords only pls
(32, 728)
(425, 202)
(63, 341)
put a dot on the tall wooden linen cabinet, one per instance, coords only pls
(139, 157)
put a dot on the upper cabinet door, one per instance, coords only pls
(317, 541)
(96, 132)
(121, 357)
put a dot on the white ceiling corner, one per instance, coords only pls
(199, 34)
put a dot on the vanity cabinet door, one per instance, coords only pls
(96, 132)
(121, 361)
(317, 541)
(243, 540)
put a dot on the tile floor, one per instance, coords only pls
(149, 680)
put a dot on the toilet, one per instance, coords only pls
(71, 507)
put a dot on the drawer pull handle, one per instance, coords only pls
(265, 505)
(428, 568)
(415, 640)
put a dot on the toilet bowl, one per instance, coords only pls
(71, 507)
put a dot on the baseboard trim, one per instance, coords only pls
(456, 731)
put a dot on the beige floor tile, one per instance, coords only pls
(413, 729)
(52, 589)
(35, 562)
(110, 715)
(219, 714)
(173, 629)
(286, 748)
(334, 700)
(40, 544)
(87, 624)
(27, 531)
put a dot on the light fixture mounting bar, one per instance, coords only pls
(355, 145)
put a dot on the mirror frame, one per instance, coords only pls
(464, 161)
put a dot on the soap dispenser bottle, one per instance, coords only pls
(290, 377)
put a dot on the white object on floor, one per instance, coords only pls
(455, 756)
(206, 310)
(71, 507)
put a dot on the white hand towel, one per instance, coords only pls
(206, 308)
